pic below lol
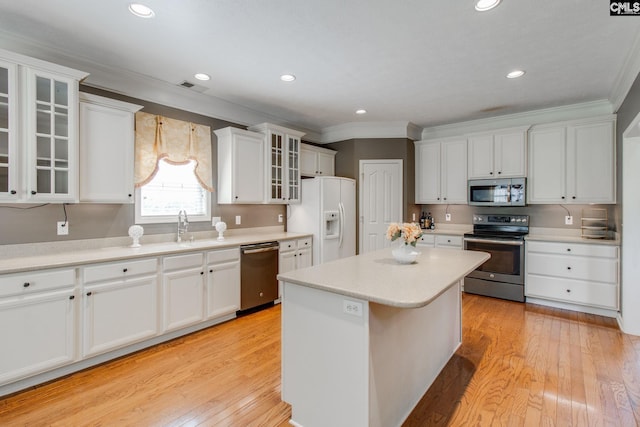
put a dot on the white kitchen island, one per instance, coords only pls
(363, 337)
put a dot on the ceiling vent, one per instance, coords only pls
(193, 86)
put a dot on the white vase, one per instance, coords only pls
(405, 254)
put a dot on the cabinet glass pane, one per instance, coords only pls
(43, 152)
(4, 80)
(4, 112)
(43, 122)
(61, 122)
(43, 89)
(62, 182)
(62, 149)
(4, 179)
(43, 181)
(4, 144)
(61, 93)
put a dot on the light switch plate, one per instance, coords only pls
(63, 228)
(280, 218)
(238, 220)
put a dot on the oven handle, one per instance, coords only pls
(501, 242)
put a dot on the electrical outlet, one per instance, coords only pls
(447, 217)
(568, 220)
(413, 217)
(215, 220)
(63, 228)
(280, 218)
(352, 307)
(238, 220)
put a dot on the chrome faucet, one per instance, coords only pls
(183, 224)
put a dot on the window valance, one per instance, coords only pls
(176, 142)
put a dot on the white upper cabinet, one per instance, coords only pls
(441, 171)
(282, 163)
(573, 162)
(43, 110)
(241, 166)
(107, 136)
(317, 161)
(500, 154)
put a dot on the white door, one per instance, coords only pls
(380, 201)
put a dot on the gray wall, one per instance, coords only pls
(27, 224)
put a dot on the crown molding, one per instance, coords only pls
(528, 118)
(363, 130)
(627, 75)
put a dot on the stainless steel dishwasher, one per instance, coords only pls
(258, 271)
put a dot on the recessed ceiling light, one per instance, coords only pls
(202, 76)
(484, 5)
(515, 74)
(361, 111)
(141, 10)
(287, 77)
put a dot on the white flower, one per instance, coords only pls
(410, 232)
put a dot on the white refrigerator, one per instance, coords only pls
(328, 210)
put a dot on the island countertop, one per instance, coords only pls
(377, 277)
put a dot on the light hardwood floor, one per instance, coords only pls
(519, 365)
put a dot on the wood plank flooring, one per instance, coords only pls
(519, 365)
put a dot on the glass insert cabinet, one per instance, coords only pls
(38, 130)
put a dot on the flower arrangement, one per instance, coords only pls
(410, 232)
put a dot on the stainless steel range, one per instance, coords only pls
(503, 237)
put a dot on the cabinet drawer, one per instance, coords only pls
(305, 242)
(574, 291)
(119, 270)
(223, 255)
(573, 267)
(180, 262)
(603, 251)
(445, 240)
(288, 245)
(21, 283)
(427, 240)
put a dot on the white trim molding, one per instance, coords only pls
(363, 130)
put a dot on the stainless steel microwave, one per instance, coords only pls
(496, 192)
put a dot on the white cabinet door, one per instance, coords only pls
(52, 135)
(428, 172)
(119, 313)
(106, 149)
(241, 166)
(287, 261)
(308, 162)
(510, 154)
(37, 333)
(547, 165)
(454, 172)
(481, 157)
(304, 258)
(9, 163)
(293, 175)
(223, 289)
(591, 169)
(183, 298)
(326, 164)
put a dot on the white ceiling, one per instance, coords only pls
(426, 62)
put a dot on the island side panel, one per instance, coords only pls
(409, 348)
(325, 353)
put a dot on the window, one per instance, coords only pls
(172, 189)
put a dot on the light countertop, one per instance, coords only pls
(376, 277)
(567, 236)
(73, 256)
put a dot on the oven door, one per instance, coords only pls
(506, 263)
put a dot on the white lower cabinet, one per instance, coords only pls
(573, 273)
(449, 241)
(183, 290)
(294, 254)
(120, 304)
(223, 282)
(38, 317)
